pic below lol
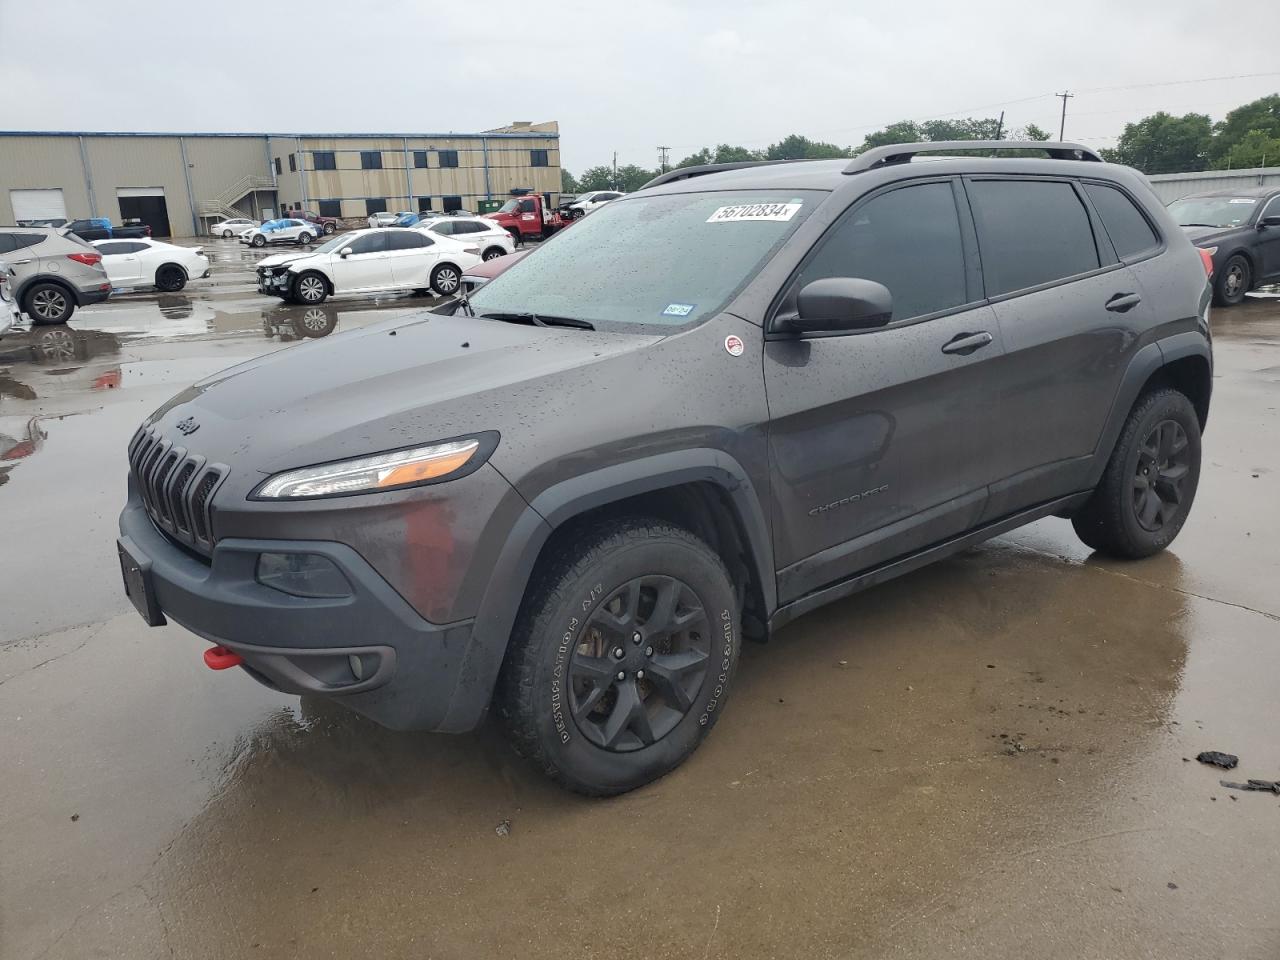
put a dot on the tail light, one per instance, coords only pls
(88, 259)
(148, 229)
(1207, 257)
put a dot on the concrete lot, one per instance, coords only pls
(987, 758)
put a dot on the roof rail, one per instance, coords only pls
(903, 152)
(684, 173)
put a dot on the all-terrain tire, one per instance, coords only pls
(1117, 518)
(582, 583)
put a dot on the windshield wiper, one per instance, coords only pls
(540, 320)
(1197, 224)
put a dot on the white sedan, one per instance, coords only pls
(231, 228)
(369, 261)
(151, 263)
(280, 231)
(592, 200)
(386, 218)
(491, 239)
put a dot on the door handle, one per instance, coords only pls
(966, 343)
(20, 262)
(1123, 302)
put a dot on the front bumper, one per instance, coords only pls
(276, 285)
(406, 672)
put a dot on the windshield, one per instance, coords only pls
(1213, 211)
(666, 260)
(509, 207)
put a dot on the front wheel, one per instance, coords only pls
(622, 657)
(227, 234)
(259, 241)
(1233, 283)
(304, 239)
(1150, 481)
(445, 279)
(310, 289)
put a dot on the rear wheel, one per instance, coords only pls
(1233, 283)
(329, 228)
(493, 253)
(48, 303)
(445, 279)
(1150, 481)
(622, 657)
(170, 278)
(310, 289)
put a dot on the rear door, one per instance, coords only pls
(1070, 313)
(879, 438)
(367, 267)
(410, 255)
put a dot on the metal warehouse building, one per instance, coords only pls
(178, 183)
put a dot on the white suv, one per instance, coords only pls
(491, 239)
(591, 200)
(280, 231)
(368, 261)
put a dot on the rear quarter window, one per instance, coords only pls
(1130, 232)
(1030, 232)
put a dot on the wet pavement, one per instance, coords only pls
(990, 757)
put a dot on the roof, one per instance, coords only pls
(1259, 192)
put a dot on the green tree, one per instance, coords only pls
(1032, 132)
(728, 154)
(904, 131)
(1163, 143)
(1255, 149)
(796, 147)
(595, 178)
(909, 131)
(703, 156)
(1261, 115)
(632, 178)
(567, 183)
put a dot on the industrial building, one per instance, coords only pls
(180, 182)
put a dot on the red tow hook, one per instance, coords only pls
(220, 658)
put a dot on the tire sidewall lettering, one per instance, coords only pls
(560, 665)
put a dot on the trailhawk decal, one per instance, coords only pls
(755, 211)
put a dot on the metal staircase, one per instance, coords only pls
(223, 205)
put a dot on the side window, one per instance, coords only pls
(1128, 229)
(137, 246)
(446, 228)
(6, 243)
(527, 206)
(908, 240)
(23, 240)
(1030, 232)
(405, 240)
(370, 243)
(1272, 209)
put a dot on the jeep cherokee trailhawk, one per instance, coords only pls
(716, 404)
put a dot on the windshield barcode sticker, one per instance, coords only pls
(755, 211)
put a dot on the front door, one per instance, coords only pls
(1269, 241)
(880, 439)
(366, 267)
(120, 260)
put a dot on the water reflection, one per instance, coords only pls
(313, 322)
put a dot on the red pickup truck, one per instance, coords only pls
(527, 216)
(323, 224)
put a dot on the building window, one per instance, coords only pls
(323, 160)
(375, 205)
(293, 163)
(448, 158)
(538, 158)
(420, 159)
(329, 208)
(424, 204)
(371, 160)
(452, 203)
(278, 170)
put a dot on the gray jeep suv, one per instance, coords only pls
(712, 406)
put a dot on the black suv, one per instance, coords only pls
(1240, 230)
(714, 405)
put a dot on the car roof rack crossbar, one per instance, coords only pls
(903, 152)
(684, 173)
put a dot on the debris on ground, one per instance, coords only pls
(1226, 761)
(1262, 786)
(1172, 886)
(503, 829)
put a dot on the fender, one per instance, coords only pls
(53, 278)
(559, 504)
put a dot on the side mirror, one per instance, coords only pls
(344, 252)
(1269, 221)
(833, 304)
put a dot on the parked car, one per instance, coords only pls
(323, 225)
(46, 222)
(368, 261)
(1240, 230)
(572, 497)
(388, 219)
(150, 263)
(9, 313)
(285, 230)
(100, 228)
(492, 239)
(567, 200)
(54, 272)
(231, 228)
(592, 200)
(478, 276)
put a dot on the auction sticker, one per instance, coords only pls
(733, 343)
(678, 310)
(755, 211)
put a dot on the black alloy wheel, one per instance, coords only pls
(639, 663)
(1163, 465)
(170, 278)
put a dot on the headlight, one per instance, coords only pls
(383, 471)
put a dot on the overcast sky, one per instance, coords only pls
(624, 77)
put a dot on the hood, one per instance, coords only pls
(277, 259)
(385, 386)
(1204, 236)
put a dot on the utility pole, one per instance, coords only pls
(1062, 127)
(663, 153)
(615, 169)
(1000, 125)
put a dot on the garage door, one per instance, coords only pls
(145, 204)
(38, 204)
